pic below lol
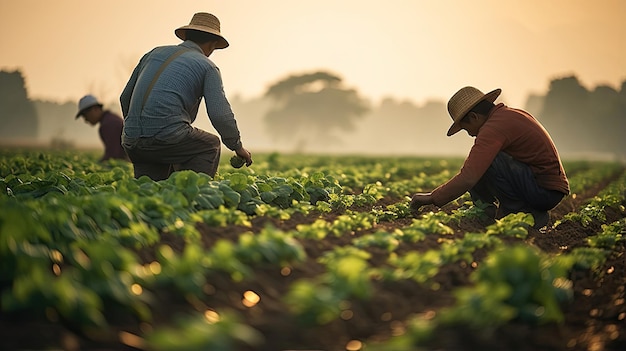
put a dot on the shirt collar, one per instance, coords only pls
(496, 107)
(191, 45)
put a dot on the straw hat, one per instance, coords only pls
(204, 22)
(463, 101)
(86, 102)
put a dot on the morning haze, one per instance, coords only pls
(403, 60)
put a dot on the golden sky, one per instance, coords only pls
(411, 49)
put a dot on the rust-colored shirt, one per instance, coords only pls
(518, 134)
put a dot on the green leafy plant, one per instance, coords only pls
(611, 234)
(211, 331)
(237, 161)
(269, 246)
(516, 282)
(513, 225)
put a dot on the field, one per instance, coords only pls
(301, 252)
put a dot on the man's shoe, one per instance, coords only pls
(542, 218)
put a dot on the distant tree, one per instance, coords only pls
(622, 96)
(566, 100)
(564, 114)
(608, 125)
(17, 113)
(309, 108)
(585, 121)
(534, 105)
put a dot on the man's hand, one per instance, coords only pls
(245, 154)
(420, 199)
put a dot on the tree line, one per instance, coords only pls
(17, 112)
(317, 112)
(582, 120)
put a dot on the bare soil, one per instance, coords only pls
(594, 321)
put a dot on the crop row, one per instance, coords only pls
(60, 221)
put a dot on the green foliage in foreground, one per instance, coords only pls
(78, 237)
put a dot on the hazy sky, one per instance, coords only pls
(411, 49)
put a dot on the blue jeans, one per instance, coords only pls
(512, 184)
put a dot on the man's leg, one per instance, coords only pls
(513, 185)
(207, 152)
(197, 151)
(495, 188)
(155, 171)
(520, 185)
(145, 163)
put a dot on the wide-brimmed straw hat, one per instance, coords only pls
(463, 101)
(203, 22)
(86, 102)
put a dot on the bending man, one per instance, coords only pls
(110, 129)
(161, 101)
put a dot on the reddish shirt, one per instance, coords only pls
(518, 134)
(111, 135)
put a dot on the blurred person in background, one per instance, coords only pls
(513, 165)
(161, 101)
(110, 129)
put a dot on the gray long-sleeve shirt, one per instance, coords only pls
(172, 105)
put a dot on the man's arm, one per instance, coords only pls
(479, 159)
(218, 108)
(127, 93)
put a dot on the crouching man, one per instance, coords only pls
(513, 165)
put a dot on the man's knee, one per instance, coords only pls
(206, 139)
(504, 163)
(213, 140)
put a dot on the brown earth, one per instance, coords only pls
(594, 321)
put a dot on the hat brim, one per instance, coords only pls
(181, 33)
(80, 113)
(490, 96)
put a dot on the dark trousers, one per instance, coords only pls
(198, 151)
(512, 184)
